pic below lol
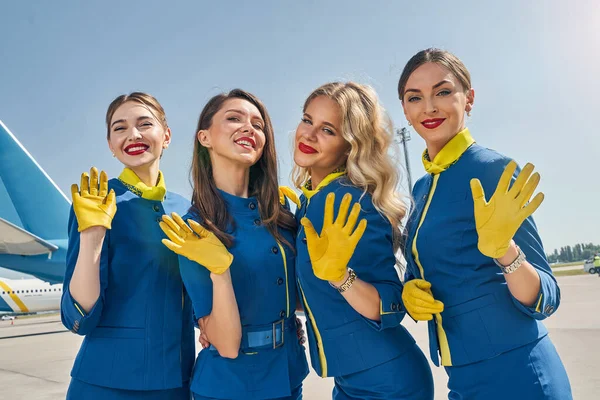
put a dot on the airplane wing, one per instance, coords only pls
(15, 240)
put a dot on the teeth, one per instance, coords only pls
(244, 143)
(137, 148)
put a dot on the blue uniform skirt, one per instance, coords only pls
(532, 372)
(296, 395)
(405, 377)
(79, 390)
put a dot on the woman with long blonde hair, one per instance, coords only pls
(352, 298)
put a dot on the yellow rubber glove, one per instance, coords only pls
(498, 220)
(330, 252)
(285, 191)
(418, 300)
(93, 205)
(196, 243)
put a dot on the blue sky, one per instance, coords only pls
(533, 63)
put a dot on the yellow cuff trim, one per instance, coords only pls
(539, 303)
(79, 309)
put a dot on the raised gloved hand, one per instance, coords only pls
(418, 300)
(330, 252)
(285, 191)
(498, 220)
(196, 243)
(93, 205)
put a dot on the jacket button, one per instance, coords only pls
(280, 281)
(156, 208)
(252, 206)
(282, 314)
(158, 219)
(304, 240)
(274, 250)
(394, 307)
(257, 222)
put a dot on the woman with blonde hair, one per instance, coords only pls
(348, 284)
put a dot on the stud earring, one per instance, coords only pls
(409, 124)
(468, 113)
(114, 155)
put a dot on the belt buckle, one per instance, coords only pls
(275, 324)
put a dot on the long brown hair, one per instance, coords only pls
(206, 199)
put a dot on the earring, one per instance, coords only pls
(468, 113)
(114, 155)
(409, 124)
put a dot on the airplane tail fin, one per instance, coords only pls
(28, 196)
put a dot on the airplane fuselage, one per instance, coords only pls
(29, 295)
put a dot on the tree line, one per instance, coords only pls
(579, 252)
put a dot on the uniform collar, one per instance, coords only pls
(449, 154)
(308, 192)
(136, 186)
(236, 204)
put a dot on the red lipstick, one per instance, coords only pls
(136, 149)
(306, 149)
(432, 123)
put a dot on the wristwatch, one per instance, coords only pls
(513, 266)
(347, 284)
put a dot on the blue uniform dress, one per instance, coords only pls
(368, 359)
(139, 336)
(493, 347)
(271, 363)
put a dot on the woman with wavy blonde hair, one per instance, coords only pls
(352, 296)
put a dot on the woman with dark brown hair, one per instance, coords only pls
(483, 259)
(237, 257)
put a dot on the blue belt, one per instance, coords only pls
(268, 336)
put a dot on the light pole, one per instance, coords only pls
(404, 136)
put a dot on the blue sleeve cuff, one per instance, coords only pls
(391, 310)
(547, 300)
(74, 317)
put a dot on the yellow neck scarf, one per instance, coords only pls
(135, 185)
(308, 192)
(449, 154)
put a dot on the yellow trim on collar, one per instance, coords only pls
(310, 193)
(449, 154)
(133, 183)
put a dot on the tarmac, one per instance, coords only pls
(36, 354)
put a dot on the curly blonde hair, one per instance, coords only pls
(369, 131)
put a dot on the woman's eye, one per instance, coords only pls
(306, 121)
(412, 99)
(232, 119)
(444, 92)
(258, 126)
(329, 131)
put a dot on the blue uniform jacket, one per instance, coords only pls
(139, 335)
(341, 340)
(481, 318)
(263, 280)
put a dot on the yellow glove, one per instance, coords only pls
(195, 242)
(93, 206)
(330, 252)
(418, 300)
(285, 191)
(498, 220)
